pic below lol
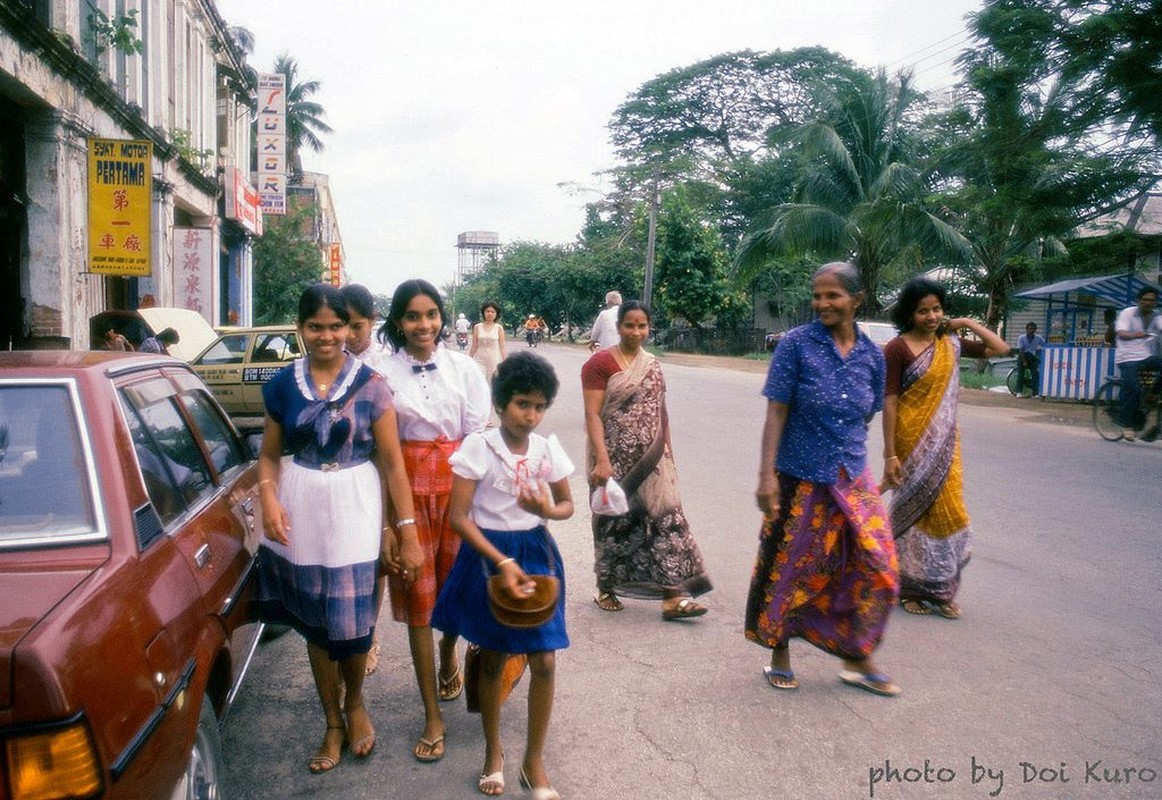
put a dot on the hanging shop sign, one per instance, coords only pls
(120, 200)
(271, 136)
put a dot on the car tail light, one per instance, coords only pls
(53, 765)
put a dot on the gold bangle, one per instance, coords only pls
(891, 458)
(266, 480)
(401, 523)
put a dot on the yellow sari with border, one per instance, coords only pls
(929, 518)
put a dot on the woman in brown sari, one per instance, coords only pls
(648, 553)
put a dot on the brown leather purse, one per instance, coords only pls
(529, 611)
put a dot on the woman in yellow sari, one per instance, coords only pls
(922, 446)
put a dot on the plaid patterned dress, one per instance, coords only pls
(323, 583)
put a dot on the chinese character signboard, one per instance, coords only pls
(120, 194)
(335, 266)
(242, 201)
(271, 140)
(193, 263)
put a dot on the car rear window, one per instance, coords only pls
(45, 489)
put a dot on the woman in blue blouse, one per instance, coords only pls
(826, 567)
(325, 516)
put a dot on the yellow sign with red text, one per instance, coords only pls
(120, 201)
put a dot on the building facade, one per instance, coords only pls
(163, 72)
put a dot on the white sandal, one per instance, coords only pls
(492, 779)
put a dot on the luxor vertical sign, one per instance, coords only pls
(271, 138)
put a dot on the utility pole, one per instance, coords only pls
(651, 238)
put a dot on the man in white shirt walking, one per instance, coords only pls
(604, 333)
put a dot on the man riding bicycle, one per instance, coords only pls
(1138, 329)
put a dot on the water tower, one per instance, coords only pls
(475, 249)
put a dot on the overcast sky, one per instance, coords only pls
(455, 116)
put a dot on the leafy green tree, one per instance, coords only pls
(860, 195)
(1024, 162)
(284, 264)
(691, 270)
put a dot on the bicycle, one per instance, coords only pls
(1013, 379)
(1106, 406)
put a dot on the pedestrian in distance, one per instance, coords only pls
(922, 463)
(1029, 347)
(112, 340)
(360, 343)
(650, 552)
(604, 333)
(488, 344)
(826, 567)
(326, 517)
(440, 397)
(160, 342)
(1139, 330)
(509, 482)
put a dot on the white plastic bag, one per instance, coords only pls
(609, 500)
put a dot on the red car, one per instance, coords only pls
(128, 524)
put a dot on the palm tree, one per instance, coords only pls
(859, 195)
(304, 117)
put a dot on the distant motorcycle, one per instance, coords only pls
(462, 340)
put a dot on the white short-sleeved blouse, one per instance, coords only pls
(486, 459)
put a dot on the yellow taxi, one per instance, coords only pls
(240, 361)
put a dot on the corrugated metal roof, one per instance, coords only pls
(1118, 289)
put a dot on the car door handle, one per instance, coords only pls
(202, 556)
(248, 506)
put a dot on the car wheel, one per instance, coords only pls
(204, 772)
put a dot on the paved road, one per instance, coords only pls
(1055, 664)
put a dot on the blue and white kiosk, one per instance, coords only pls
(1078, 356)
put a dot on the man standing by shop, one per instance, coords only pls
(604, 333)
(1029, 347)
(1138, 331)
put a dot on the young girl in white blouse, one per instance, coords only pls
(508, 482)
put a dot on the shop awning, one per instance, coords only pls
(1120, 290)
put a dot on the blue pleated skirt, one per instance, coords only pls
(462, 607)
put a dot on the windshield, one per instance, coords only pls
(44, 480)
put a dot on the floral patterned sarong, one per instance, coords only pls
(826, 568)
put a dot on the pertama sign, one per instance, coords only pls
(120, 192)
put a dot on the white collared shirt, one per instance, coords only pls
(450, 401)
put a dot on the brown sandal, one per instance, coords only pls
(607, 601)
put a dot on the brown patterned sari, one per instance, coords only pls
(651, 549)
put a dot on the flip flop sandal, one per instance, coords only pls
(434, 746)
(788, 678)
(918, 607)
(607, 601)
(686, 609)
(870, 682)
(948, 610)
(451, 688)
(372, 660)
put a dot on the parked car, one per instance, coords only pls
(136, 326)
(240, 361)
(879, 332)
(128, 527)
